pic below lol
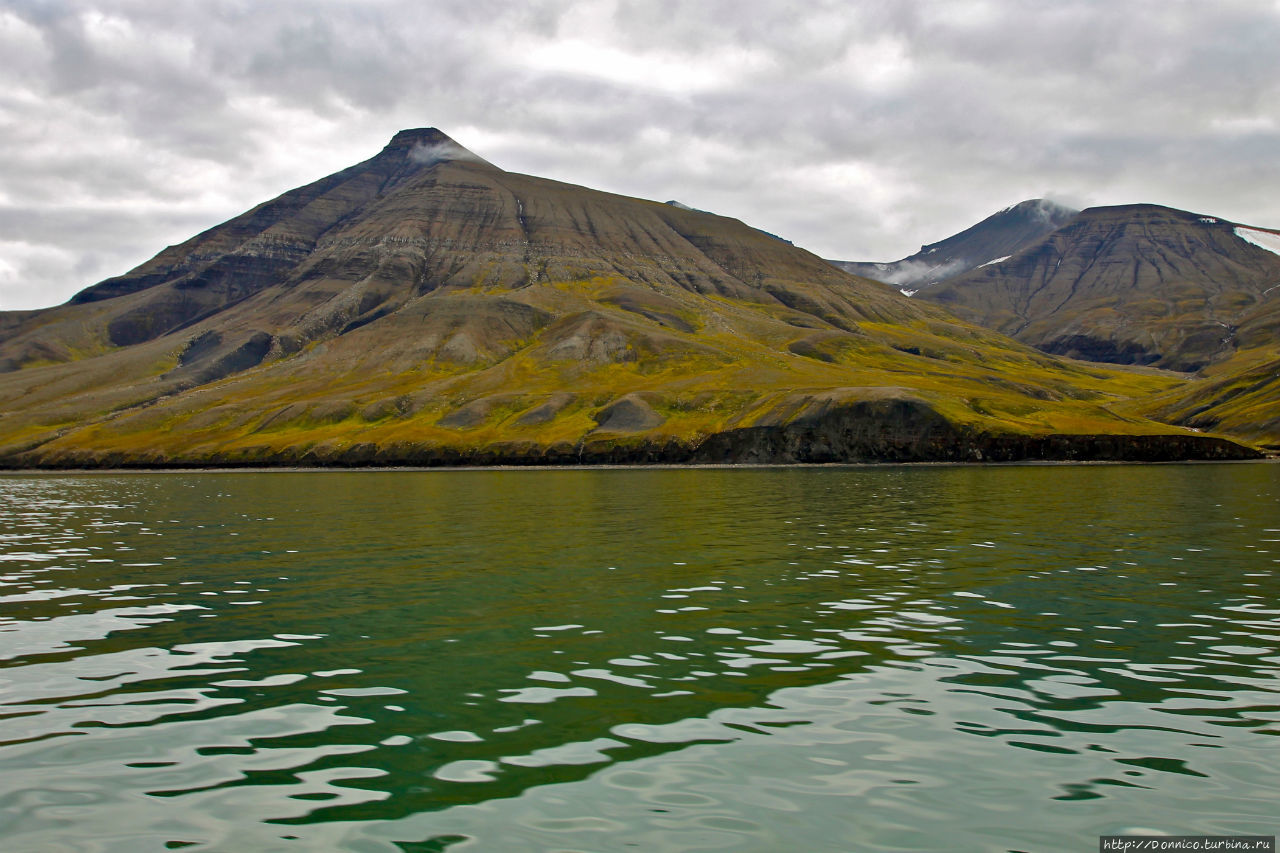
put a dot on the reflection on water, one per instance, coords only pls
(1016, 658)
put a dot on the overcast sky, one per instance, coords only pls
(858, 130)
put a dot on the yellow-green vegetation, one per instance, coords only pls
(1240, 397)
(739, 373)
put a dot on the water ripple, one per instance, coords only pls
(831, 659)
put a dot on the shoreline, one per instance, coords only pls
(846, 436)
(654, 466)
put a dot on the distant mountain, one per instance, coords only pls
(1134, 284)
(427, 307)
(993, 239)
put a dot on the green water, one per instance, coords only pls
(842, 659)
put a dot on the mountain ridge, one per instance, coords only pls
(998, 236)
(1137, 283)
(1143, 284)
(425, 306)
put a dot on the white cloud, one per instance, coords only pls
(663, 71)
(857, 130)
(30, 274)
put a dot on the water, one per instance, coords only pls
(969, 658)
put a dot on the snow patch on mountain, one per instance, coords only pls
(995, 261)
(1261, 239)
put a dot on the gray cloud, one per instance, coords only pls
(915, 272)
(859, 131)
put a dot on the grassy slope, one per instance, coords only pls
(1239, 397)
(737, 366)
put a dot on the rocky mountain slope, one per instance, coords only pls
(993, 239)
(1135, 284)
(427, 307)
(1239, 394)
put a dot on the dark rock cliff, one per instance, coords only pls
(891, 430)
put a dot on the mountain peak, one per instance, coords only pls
(994, 239)
(407, 138)
(1143, 212)
(428, 146)
(1043, 208)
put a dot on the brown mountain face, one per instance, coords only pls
(1135, 284)
(427, 307)
(424, 215)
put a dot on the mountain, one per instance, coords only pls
(993, 239)
(1133, 284)
(428, 307)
